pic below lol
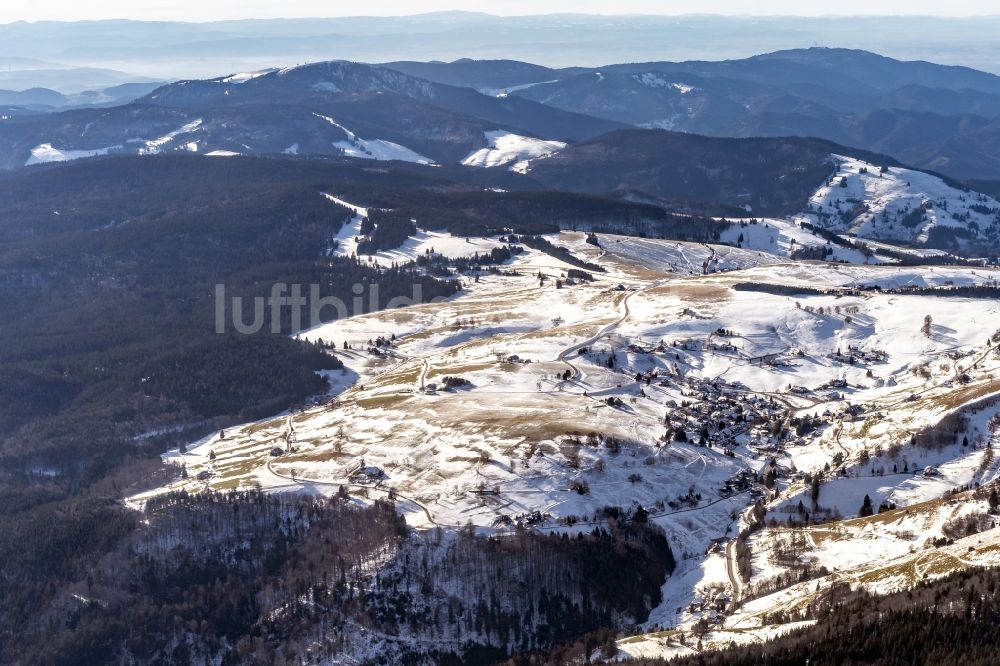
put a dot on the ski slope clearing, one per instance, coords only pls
(507, 148)
(380, 149)
(243, 77)
(536, 397)
(654, 80)
(894, 204)
(680, 257)
(155, 146)
(374, 149)
(46, 153)
(423, 242)
(505, 92)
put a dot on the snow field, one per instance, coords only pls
(507, 148)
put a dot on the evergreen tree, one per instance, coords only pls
(866, 507)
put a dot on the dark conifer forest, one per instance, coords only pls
(271, 579)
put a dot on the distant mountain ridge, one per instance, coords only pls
(319, 80)
(46, 99)
(938, 117)
(174, 49)
(329, 108)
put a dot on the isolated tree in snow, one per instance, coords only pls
(814, 488)
(866, 507)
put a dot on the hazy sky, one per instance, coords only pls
(206, 10)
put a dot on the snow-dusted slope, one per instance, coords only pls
(897, 204)
(507, 148)
(789, 239)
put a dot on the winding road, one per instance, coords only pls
(734, 575)
(626, 313)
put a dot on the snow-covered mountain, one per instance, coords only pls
(895, 204)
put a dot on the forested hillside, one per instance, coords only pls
(255, 578)
(950, 621)
(108, 282)
(767, 176)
